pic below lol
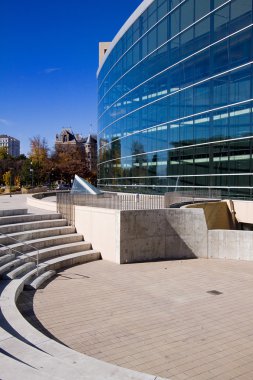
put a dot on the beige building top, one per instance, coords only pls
(103, 47)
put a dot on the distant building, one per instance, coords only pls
(12, 145)
(89, 144)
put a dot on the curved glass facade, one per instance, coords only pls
(176, 100)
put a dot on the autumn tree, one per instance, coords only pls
(7, 178)
(69, 160)
(39, 161)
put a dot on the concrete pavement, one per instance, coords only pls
(175, 319)
(17, 201)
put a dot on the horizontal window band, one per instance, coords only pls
(171, 39)
(183, 186)
(170, 67)
(179, 91)
(182, 147)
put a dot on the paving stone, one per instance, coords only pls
(149, 319)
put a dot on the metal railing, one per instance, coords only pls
(18, 253)
(124, 202)
(191, 196)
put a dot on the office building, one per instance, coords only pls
(175, 99)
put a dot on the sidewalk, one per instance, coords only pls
(18, 201)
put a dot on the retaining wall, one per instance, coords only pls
(143, 235)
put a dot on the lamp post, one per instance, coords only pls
(31, 171)
(10, 181)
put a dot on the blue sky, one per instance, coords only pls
(48, 63)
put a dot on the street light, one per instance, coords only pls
(10, 181)
(31, 171)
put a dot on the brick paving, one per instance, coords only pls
(156, 317)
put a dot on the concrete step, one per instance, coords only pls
(38, 281)
(60, 250)
(6, 258)
(27, 218)
(73, 259)
(46, 254)
(38, 244)
(18, 211)
(22, 269)
(34, 273)
(49, 267)
(63, 262)
(35, 225)
(36, 234)
(12, 265)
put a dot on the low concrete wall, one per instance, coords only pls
(33, 190)
(101, 227)
(50, 206)
(233, 245)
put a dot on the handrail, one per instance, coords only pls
(21, 253)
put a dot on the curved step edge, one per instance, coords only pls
(93, 369)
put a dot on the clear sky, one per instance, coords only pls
(48, 63)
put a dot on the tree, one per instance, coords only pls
(39, 150)
(17, 181)
(40, 163)
(69, 160)
(7, 178)
(3, 153)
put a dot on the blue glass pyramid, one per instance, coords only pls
(81, 186)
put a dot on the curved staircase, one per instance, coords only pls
(32, 248)
(44, 238)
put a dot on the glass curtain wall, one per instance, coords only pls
(175, 100)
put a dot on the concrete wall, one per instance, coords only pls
(189, 226)
(101, 227)
(143, 235)
(148, 235)
(233, 245)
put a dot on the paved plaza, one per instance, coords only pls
(175, 319)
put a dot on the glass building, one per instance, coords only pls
(176, 99)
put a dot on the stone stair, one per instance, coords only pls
(47, 238)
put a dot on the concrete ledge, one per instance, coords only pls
(45, 205)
